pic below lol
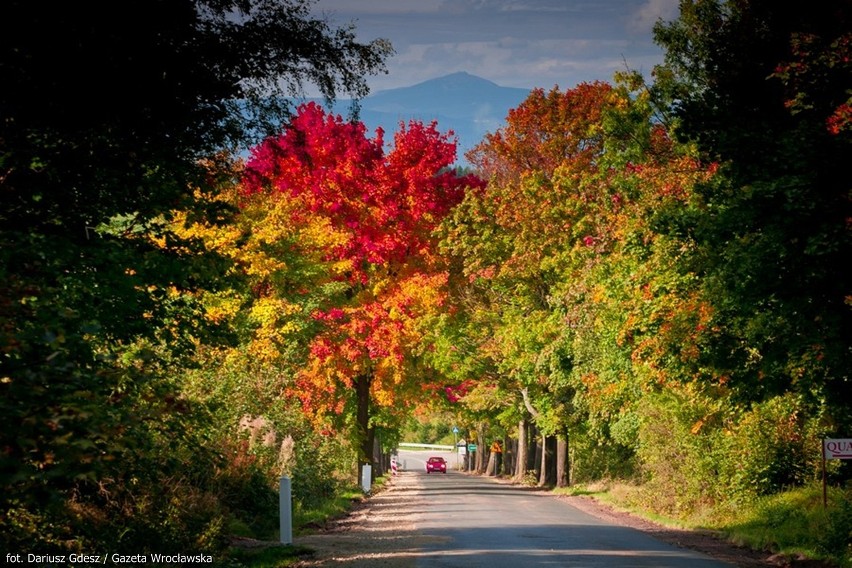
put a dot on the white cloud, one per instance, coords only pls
(518, 43)
(651, 11)
(344, 7)
(535, 7)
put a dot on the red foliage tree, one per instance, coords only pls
(386, 206)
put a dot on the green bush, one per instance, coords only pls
(592, 459)
(322, 470)
(152, 491)
(678, 452)
(246, 486)
(767, 450)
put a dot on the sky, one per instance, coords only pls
(514, 43)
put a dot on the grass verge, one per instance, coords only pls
(792, 524)
(264, 557)
(271, 555)
(308, 519)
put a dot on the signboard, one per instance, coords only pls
(471, 447)
(837, 449)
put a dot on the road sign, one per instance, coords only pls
(838, 448)
(471, 447)
(455, 430)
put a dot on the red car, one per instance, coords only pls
(436, 464)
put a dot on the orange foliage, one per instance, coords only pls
(384, 209)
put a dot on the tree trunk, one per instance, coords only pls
(549, 461)
(491, 468)
(378, 457)
(509, 456)
(533, 457)
(536, 451)
(481, 450)
(542, 470)
(365, 433)
(521, 456)
(562, 479)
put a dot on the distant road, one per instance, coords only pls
(415, 460)
(472, 521)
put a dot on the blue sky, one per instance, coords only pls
(515, 43)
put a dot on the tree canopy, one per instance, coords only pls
(764, 89)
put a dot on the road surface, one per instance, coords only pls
(472, 521)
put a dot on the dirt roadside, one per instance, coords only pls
(381, 532)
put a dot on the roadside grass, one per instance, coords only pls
(265, 557)
(793, 524)
(270, 554)
(308, 519)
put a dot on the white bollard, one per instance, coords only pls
(286, 506)
(366, 477)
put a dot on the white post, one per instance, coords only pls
(366, 477)
(286, 506)
(456, 445)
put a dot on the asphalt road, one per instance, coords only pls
(472, 521)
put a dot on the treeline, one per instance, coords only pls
(654, 284)
(642, 281)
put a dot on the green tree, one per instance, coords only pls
(112, 116)
(763, 88)
(522, 237)
(583, 300)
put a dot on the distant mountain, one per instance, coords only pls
(468, 105)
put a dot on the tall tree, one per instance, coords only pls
(564, 261)
(514, 241)
(108, 112)
(384, 268)
(763, 87)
